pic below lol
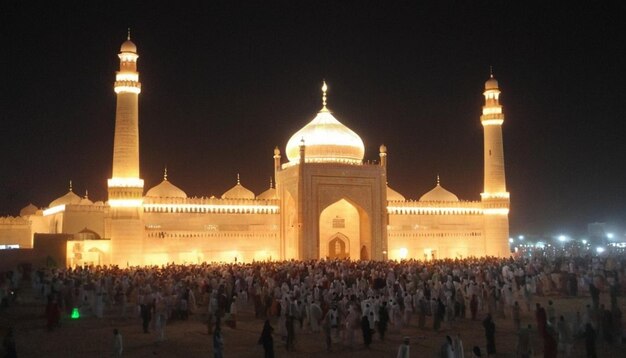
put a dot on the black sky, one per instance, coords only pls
(224, 82)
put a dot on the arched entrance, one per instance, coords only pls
(338, 247)
(343, 229)
(364, 255)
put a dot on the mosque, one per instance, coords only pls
(327, 202)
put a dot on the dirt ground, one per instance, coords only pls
(92, 337)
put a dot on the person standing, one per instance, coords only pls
(590, 341)
(490, 334)
(473, 306)
(403, 349)
(383, 320)
(367, 332)
(146, 316)
(218, 343)
(523, 343)
(118, 343)
(516, 316)
(8, 343)
(457, 346)
(266, 339)
(447, 350)
(291, 333)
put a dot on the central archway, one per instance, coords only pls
(342, 226)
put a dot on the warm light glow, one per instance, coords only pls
(404, 252)
(419, 210)
(127, 76)
(54, 210)
(492, 110)
(496, 211)
(125, 183)
(326, 140)
(128, 57)
(125, 203)
(492, 122)
(501, 195)
(211, 208)
(131, 89)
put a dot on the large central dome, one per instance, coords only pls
(326, 140)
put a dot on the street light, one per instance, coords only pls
(562, 238)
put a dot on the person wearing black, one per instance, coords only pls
(146, 316)
(490, 334)
(367, 333)
(595, 295)
(266, 339)
(383, 320)
(590, 341)
(291, 334)
(9, 344)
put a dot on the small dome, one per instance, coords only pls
(393, 195)
(86, 201)
(166, 190)
(29, 209)
(491, 83)
(67, 199)
(438, 193)
(238, 192)
(269, 194)
(128, 46)
(99, 202)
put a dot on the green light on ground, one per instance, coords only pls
(75, 313)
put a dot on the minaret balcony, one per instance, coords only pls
(127, 86)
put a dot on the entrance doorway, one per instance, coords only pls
(337, 248)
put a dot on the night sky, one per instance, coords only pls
(225, 82)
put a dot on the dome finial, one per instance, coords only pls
(86, 194)
(165, 173)
(271, 183)
(71, 185)
(490, 71)
(438, 181)
(128, 35)
(238, 181)
(324, 89)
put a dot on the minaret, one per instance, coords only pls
(495, 198)
(125, 226)
(125, 185)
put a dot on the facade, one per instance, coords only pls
(327, 202)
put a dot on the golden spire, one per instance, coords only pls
(238, 181)
(71, 185)
(165, 173)
(86, 194)
(128, 36)
(438, 181)
(271, 183)
(490, 71)
(324, 89)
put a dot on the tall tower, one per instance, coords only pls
(495, 198)
(125, 186)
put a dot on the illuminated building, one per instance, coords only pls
(327, 202)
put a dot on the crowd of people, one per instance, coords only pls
(353, 303)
